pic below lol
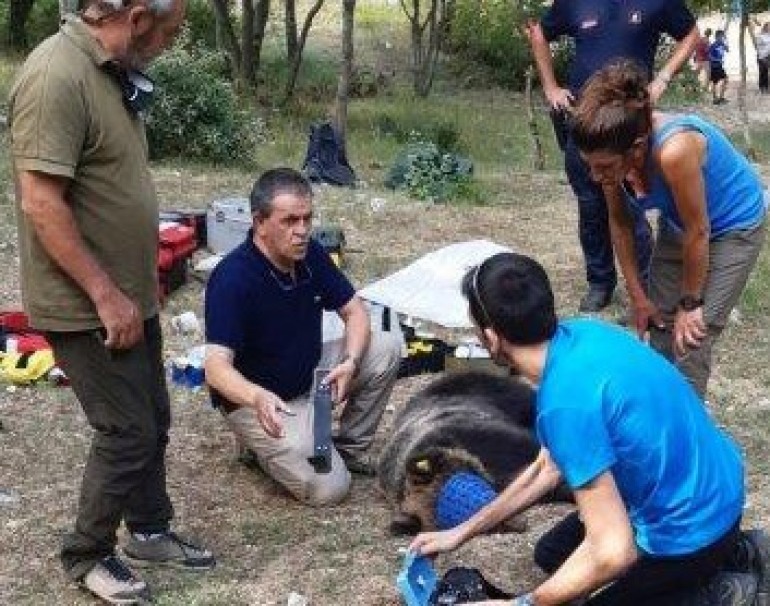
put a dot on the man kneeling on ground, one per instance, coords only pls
(659, 488)
(264, 306)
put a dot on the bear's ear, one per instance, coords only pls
(420, 470)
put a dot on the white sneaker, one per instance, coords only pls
(115, 583)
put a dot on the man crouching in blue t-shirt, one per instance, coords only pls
(658, 487)
(264, 306)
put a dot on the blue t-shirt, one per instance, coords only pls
(273, 324)
(608, 402)
(604, 30)
(735, 197)
(717, 51)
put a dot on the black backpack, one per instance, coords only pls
(325, 159)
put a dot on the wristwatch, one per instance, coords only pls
(690, 302)
(523, 600)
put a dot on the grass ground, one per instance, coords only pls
(268, 545)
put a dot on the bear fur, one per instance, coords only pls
(470, 421)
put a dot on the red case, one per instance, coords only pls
(179, 239)
(30, 342)
(13, 321)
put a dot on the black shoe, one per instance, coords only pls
(358, 464)
(729, 589)
(167, 549)
(596, 299)
(752, 554)
(761, 541)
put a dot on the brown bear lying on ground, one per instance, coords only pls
(471, 421)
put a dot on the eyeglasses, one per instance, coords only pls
(302, 276)
(476, 293)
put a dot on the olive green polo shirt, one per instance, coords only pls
(67, 118)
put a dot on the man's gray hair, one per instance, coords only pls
(157, 7)
(274, 182)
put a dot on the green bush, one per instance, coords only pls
(410, 126)
(492, 34)
(684, 88)
(201, 24)
(427, 173)
(43, 21)
(317, 78)
(196, 114)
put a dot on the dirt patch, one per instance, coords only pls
(268, 545)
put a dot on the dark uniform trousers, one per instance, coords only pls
(125, 399)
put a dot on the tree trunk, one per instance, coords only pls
(18, 13)
(262, 15)
(743, 109)
(227, 38)
(438, 24)
(426, 38)
(538, 156)
(248, 73)
(290, 20)
(415, 37)
(297, 62)
(346, 70)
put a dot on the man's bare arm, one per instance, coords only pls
(43, 203)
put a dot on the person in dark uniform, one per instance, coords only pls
(604, 30)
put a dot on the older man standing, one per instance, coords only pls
(88, 225)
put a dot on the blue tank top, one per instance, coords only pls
(735, 197)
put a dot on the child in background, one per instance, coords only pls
(762, 44)
(718, 76)
(701, 58)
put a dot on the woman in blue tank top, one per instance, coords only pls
(711, 205)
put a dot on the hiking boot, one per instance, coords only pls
(358, 464)
(596, 299)
(166, 549)
(728, 589)
(115, 583)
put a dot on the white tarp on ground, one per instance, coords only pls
(429, 288)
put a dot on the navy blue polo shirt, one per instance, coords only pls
(272, 323)
(604, 30)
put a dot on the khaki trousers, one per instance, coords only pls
(731, 259)
(285, 459)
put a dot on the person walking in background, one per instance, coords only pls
(88, 237)
(717, 73)
(712, 209)
(603, 31)
(762, 44)
(701, 58)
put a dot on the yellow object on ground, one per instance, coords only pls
(26, 368)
